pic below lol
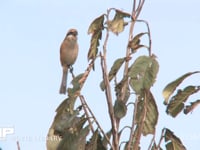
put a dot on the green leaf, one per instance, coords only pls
(143, 73)
(134, 44)
(114, 69)
(120, 109)
(176, 104)
(172, 141)
(94, 44)
(118, 23)
(96, 25)
(170, 88)
(190, 108)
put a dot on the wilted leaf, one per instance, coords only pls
(95, 142)
(66, 122)
(173, 142)
(94, 43)
(121, 14)
(92, 144)
(154, 147)
(151, 114)
(170, 88)
(73, 92)
(190, 108)
(134, 44)
(143, 73)
(133, 145)
(117, 24)
(120, 109)
(176, 104)
(74, 141)
(114, 69)
(96, 25)
(105, 141)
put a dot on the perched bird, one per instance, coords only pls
(68, 55)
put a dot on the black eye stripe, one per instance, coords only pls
(72, 33)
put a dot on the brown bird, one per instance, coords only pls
(68, 55)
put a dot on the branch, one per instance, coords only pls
(152, 140)
(108, 90)
(133, 124)
(84, 103)
(149, 35)
(140, 127)
(161, 138)
(18, 146)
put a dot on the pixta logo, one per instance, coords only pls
(5, 131)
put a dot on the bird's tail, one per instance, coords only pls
(63, 85)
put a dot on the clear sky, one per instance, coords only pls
(31, 32)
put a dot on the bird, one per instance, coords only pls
(68, 54)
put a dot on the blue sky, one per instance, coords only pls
(31, 32)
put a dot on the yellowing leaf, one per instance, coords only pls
(143, 73)
(170, 88)
(96, 25)
(116, 26)
(118, 23)
(176, 105)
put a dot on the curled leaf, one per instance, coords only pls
(176, 104)
(97, 24)
(191, 107)
(170, 88)
(172, 141)
(134, 44)
(94, 44)
(117, 24)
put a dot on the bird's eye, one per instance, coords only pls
(72, 33)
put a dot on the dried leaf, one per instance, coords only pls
(96, 142)
(191, 107)
(134, 44)
(94, 44)
(74, 141)
(176, 104)
(73, 92)
(105, 141)
(170, 88)
(172, 141)
(151, 114)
